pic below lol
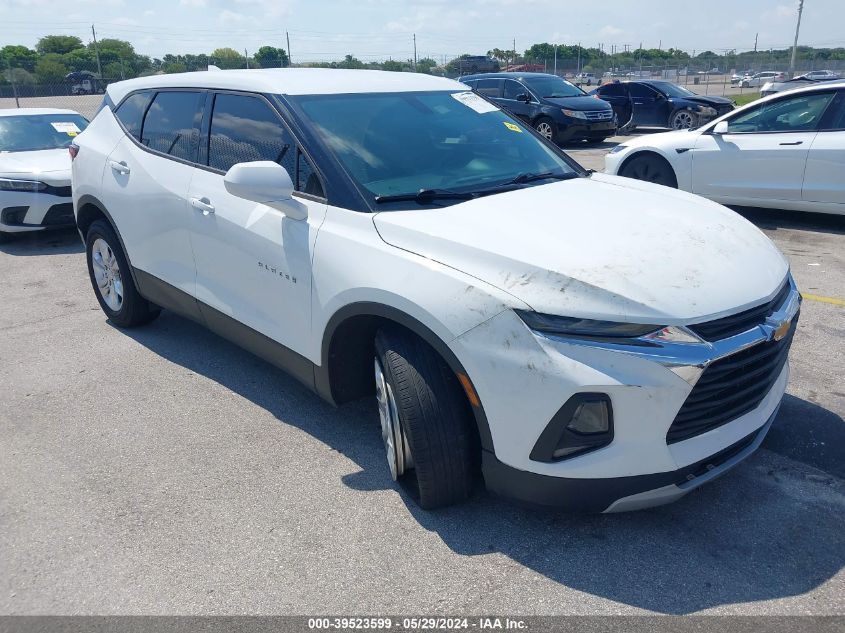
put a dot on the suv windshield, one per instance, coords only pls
(447, 143)
(26, 133)
(552, 87)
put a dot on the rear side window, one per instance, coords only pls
(172, 123)
(245, 129)
(641, 91)
(131, 112)
(612, 90)
(488, 87)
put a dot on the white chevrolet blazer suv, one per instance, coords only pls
(583, 340)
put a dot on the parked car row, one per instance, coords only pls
(584, 340)
(786, 151)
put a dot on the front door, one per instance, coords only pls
(523, 108)
(253, 262)
(763, 154)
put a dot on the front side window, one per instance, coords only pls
(26, 133)
(245, 129)
(171, 125)
(396, 143)
(800, 113)
(836, 115)
(131, 112)
(512, 89)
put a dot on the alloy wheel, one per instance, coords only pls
(544, 128)
(107, 274)
(683, 120)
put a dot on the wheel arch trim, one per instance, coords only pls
(89, 200)
(322, 373)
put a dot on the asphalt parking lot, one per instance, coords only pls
(162, 470)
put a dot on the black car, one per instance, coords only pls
(557, 109)
(661, 104)
(477, 64)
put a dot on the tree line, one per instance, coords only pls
(54, 56)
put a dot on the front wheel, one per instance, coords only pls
(546, 128)
(110, 276)
(683, 120)
(425, 419)
(650, 168)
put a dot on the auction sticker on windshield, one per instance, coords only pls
(472, 100)
(68, 127)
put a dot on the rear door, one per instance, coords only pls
(253, 262)
(825, 172)
(764, 153)
(146, 180)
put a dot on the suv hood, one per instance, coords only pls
(35, 162)
(602, 247)
(579, 103)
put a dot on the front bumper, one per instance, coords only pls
(616, 494)
(524, 381)
(24, 211)
(586, 130)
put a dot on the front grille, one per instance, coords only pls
(13, 215)
(59, 215)
(742, 321)
(599, 115)
(731, 387)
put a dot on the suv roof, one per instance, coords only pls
(290, 81)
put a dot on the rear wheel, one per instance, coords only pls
(425, 420)
(112, 280)
(546, 127)
(650, 168)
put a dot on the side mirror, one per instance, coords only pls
(523, 97)
(265, 182)
(720, 128)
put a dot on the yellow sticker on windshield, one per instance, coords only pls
(71, 133)
(512, 127)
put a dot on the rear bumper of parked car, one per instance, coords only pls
(569, 131)
(665, 438)
(22, 211)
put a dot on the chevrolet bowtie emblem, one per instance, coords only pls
(782, 330)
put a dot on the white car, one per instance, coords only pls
(587, 341)
(785, 151)
(758, 79)
(35, 168)
(820, 75)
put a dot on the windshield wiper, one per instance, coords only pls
(546, 175)
(425, 196)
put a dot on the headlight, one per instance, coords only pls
(606, 330)
(618, 148)
(7, 184)
(590, 328)
(575, 114)
(706, 111)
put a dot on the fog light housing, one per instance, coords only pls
(583, 424)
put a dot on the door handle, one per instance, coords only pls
(793, 143)
(202, 204)
(121, 167)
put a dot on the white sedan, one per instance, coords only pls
(35, 189)
(786, 151)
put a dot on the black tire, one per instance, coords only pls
(434, 416)
(133, 310)
(650, 168)
(547, 128)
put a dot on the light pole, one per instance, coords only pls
(795, 43)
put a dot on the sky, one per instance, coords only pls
(323, 30)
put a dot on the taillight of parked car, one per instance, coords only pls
(73, 150)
